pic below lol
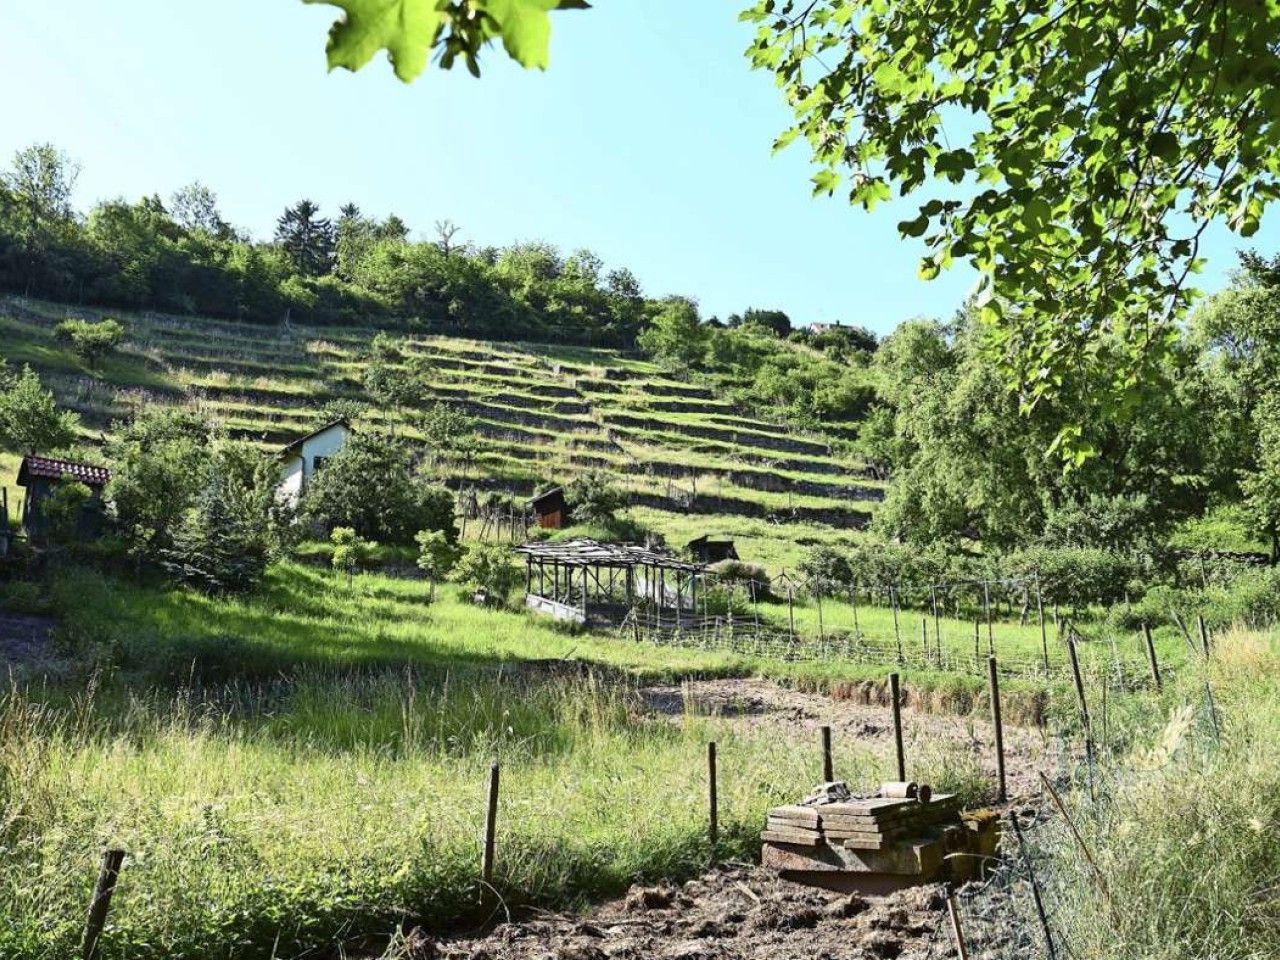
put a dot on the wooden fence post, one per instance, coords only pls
(986, 606)
(100, 905)
(895, 694)
(956, 930)
(713, 823)
(924, 638)
(828, 767)
(937, 622)
(1044, 634)
(490, 827)
(1084, 705)
(1204, 634)
(853, 602)
(1151, 657)
(1035, 889)
(897, 632)
(993, 677)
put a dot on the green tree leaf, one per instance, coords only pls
(406, 29)
(409, 30)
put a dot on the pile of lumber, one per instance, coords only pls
(832, 816)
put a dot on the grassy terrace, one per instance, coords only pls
(542, 412)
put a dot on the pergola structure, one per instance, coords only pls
(585, 581)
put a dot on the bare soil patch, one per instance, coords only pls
(736, 912)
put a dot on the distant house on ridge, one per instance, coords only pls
(705, 550)
(41, 476)
(300, 460)
(551, 509)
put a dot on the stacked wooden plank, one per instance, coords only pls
(860, 823)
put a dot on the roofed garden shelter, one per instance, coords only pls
(706, 550)
(550, 509)
(42, 475)
(599, 584)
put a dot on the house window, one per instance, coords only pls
(317, 463)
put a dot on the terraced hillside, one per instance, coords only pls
(691, 462)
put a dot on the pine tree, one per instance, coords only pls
(307, 239)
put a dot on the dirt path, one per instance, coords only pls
(742, 912)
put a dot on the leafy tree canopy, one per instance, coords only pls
(30, 419)
(1072, 152)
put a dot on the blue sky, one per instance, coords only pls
(648, 141)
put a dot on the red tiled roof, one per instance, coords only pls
(54, 469)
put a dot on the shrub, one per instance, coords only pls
(30, 420)
(158, 466)
(489, 566)
(826, 570)
(736, 572)
(593, 498)
(64, 508)
(437, 555)
(227, 537)
(1074, 576)
(370, 487)
(350, 551)
(90, 341)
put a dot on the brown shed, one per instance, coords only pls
(706, 550)
(42, 475)
(550, 509)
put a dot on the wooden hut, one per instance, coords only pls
(42, 475)
(551, 509)
(588, 582)
(708, 551)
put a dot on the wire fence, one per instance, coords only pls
(1120, 665)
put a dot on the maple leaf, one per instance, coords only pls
(410, 29)
(525, 26)
(406, 29)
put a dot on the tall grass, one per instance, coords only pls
(269, 820)
(308, 766)
(1185, 835)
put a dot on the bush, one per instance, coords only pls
(158, 467)
(64, 508)
(826, 570)
(437, 554)
(738, 573)
(489, 567)
(1075, 577)
(370, 487)
(593, 498)
(227, 537)
(90, 341)
(350, 551)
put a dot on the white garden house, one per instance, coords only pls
(300, 460)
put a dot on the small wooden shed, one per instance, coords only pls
(705, 550)
(42, 475)
(551, 509)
